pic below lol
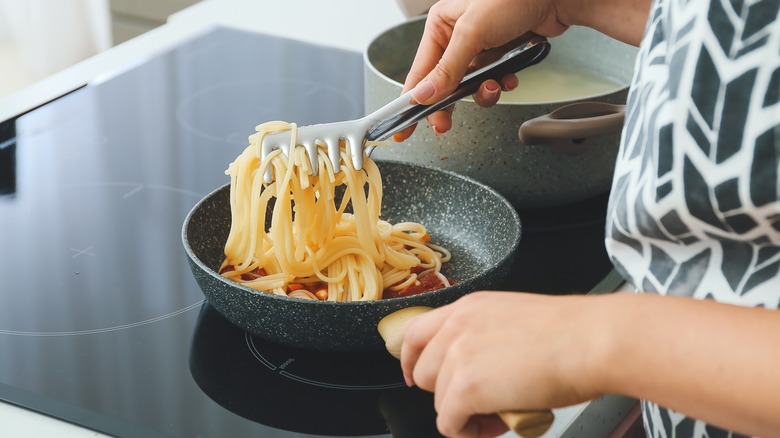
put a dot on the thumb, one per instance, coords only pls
(449, 71)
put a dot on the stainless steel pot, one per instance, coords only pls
(535, 154)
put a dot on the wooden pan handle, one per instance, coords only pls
(527, 424)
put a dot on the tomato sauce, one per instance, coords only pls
(427, 283)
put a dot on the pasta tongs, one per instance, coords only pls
(523, 52)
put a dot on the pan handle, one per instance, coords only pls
(568, 127)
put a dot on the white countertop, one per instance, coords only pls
(346, 24)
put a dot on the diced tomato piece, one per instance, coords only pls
(427, 283)
(322, 294)
(253, 274)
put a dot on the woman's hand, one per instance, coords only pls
(458, 30)
(498, 351)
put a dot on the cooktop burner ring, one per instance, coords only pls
(106, 329)
(103, 247)
(302, 374)
(250, 102)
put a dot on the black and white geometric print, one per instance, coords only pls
(695, 203)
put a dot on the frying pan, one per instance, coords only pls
(480, 228)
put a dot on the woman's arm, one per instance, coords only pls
(623, 20)
(499, 351)
(716, 362)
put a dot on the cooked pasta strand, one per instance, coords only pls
(313, 238)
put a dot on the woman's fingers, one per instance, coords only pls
(454, 379)
(403, 135)
(462, 388)
(457, 418)
(446, 74)
(482, 426)
(419, 333)
(488, 94)
(440, 54)
(509, 82)
(440, 121)
(432, 80)
(456, 31)
(490, 352)
(441, 61)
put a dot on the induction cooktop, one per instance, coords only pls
(101, 321)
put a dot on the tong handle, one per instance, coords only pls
(527, 50)
(528, 424)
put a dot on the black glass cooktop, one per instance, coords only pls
(101, 322)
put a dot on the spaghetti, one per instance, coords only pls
(321, 244)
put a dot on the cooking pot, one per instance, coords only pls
(477, 225)
(536, 154)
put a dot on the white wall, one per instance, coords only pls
(41, 37)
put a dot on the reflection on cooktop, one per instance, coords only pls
(88, 240)
(306, 366)
(323, 393)
(242, 97)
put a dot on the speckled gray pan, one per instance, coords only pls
(478, 225)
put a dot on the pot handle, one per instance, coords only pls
(568, 128)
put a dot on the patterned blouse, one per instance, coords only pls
(695, 203)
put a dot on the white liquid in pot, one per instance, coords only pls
(547, 82)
